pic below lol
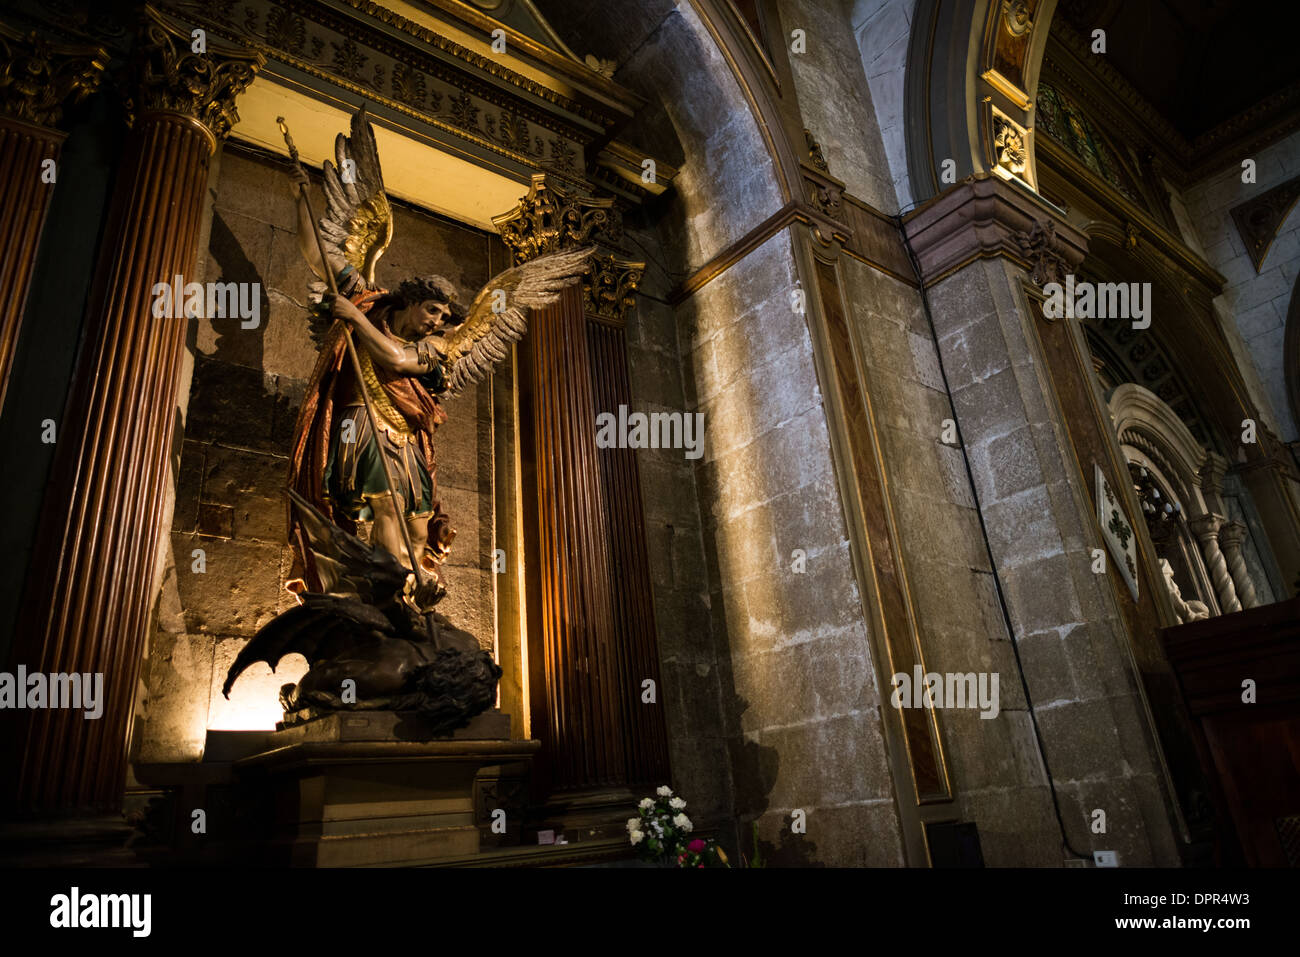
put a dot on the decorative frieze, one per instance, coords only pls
(324, 43)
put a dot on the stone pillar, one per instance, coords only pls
(90, 586)
(591, 622)
(1231, 537)
(1031, 425)
(40, 78)
(1206, 528)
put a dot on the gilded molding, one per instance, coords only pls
(168, 76)
(1010, 146)
(38, 78)
(401, 73)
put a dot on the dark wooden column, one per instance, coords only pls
(590, 613)
(41, 78)
(89, 588)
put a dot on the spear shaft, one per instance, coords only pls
(361, 382)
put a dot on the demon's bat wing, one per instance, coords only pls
(322, 627)
(347, 566)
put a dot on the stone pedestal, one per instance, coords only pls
(374, 789)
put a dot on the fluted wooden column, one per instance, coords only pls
(89, 591)
(42, 77)
(595, 609)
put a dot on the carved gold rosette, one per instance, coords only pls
(169, 77)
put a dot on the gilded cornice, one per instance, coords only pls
(166, 75)
(384, 58)
(38, 77)
(572, 69)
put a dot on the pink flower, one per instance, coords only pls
(695, 846)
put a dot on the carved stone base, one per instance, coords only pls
(371, 789)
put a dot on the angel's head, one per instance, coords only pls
(423, 306)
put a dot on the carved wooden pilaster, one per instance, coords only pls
(37, 79)
(90, 589)
(1231, 537)
(592, 637)
(1206, 528)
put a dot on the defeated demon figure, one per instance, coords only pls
(367, 629)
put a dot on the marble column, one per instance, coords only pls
(1207, 528)
(42, 77)
(1231, 537)
(591, 621)
(90, 587)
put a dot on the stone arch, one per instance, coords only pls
(972, 78)
(1201, 544)
(1209, 392)
(1147, 424)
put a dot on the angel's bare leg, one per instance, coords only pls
(388, 532)
(418, 529)
(388, 528)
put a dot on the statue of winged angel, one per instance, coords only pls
(363, 451)
(415, 343)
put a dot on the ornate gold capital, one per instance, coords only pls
(37, 78)
(609, 288)
(551, 218)
(168, 76)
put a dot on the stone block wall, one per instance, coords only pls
(797, 684)
(1257, 303)
(836, 100)
(1071, 640)
(996, 769)
(246, 389)
(884, 31)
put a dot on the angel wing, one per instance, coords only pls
(498, 315)
(358, 221)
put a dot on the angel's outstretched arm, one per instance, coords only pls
(298, 184)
